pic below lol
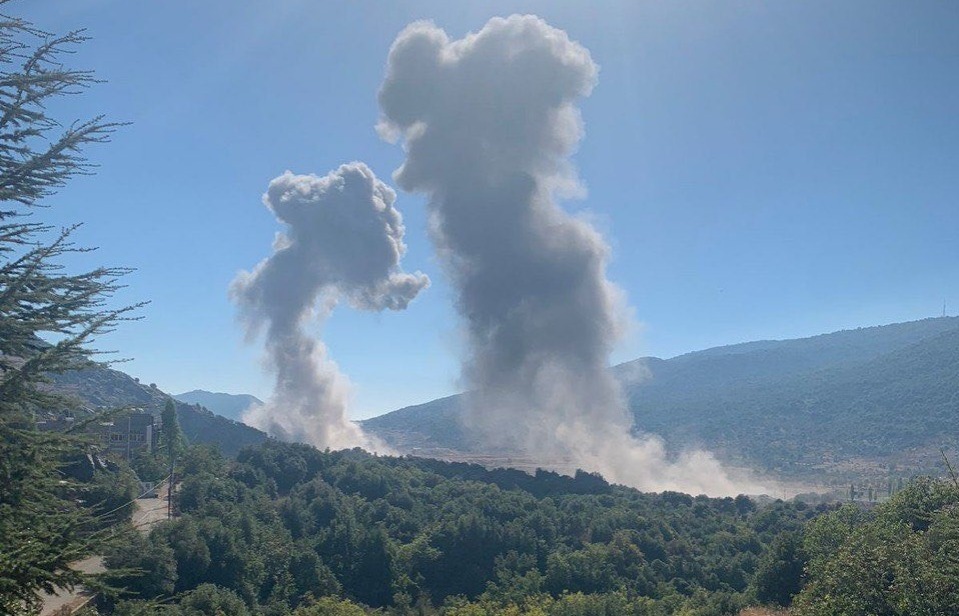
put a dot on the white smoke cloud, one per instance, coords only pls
(343, 242)
(488, 123)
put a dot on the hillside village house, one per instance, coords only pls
(125, 435)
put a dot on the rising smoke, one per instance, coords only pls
(343, 242)
(488, 123)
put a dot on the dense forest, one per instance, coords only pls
(289, 529)
(286, 524)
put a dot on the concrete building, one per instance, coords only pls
(125, 435)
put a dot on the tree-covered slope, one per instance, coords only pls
(869, 397)
(102, 388)
(284, 525)
(432, 424)
(897, 559)
(898, 407)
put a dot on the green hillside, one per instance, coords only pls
(432, 424)
(869, 401)
(897, 409)
(102, 388)
(284, 525)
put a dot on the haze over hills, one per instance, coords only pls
(230, 406)
(869, 401)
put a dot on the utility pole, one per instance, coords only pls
(169, 490)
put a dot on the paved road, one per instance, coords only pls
(147, 513)
(150, 511)
(66, 602)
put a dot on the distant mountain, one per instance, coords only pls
(231, 406)
(101, 388)
(869, 401)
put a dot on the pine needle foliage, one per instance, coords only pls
(48, 316)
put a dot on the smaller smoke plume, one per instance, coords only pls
(343, 242)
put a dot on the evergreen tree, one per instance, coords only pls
(48, 317)
(171, 434)
(780, 570)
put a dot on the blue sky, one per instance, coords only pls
(761, 169)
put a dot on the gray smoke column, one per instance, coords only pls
(343, 242)
(489, 123)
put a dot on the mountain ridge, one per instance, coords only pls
(799, 407)
(231, 406)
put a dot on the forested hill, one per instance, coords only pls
(851, 401)
(286, 524)
(884, 405)
(102, 388)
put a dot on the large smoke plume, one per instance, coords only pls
(488, 123)
(343, 242)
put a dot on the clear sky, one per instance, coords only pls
(761, 169)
